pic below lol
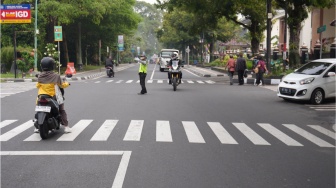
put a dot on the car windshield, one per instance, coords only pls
(313, 68)
(166, 54)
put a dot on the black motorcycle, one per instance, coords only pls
(110, 71)
(175, 74)
(47, 115)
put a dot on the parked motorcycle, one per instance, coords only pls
(175, 74)
(109, 71)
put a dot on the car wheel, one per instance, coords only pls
(317, 96)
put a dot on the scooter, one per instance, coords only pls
(110, 71)
(175, 74)
(47, 116)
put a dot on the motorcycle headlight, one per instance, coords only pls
(306, 81)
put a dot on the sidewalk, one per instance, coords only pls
(84, 75)
(221, 72)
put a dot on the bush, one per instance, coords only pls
(7, 56)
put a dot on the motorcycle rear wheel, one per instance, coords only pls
(44, 130)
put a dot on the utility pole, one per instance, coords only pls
(35, 38)
(268, 45)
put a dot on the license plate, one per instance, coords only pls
(42, 108)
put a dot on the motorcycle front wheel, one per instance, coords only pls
(44, 130)
(174, 82)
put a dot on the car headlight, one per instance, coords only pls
(306, 81)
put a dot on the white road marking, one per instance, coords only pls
(279, 135)
(190, 82)
(316, 140)
(250, 134)
(129, 81)
(150, 81)
(109, 81)
(119, 81)
(134, 130)
(324, 131)
(75, 130)
(6, 122)
(104, 131)
(221, 133)
(193, 134)
(121, 172)
(160, 81)
(163, 132)
(200, 82)
(14, 132)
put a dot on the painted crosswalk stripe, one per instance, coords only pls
(6, 122)
(104, 131)
(163, 133)
(75, 130)
(190, 82)
(14, 132)
(138, 81)
(160, 81)
(109, 81)
(316, 140)
(35, 137)
(210, 82)
(221, 133)
(250, 134)
(193, 134)
(200, 82)
(324, 131)
(150, 81)
(119, 81)
(129, 81)
(279, 135)
(97, 82)
(134, 130)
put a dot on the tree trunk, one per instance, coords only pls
(255, 45)
(65, 46)
(294, 46)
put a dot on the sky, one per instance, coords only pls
(149, 1)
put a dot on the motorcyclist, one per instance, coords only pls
(174, 57)
(109, 62)
(46, 82)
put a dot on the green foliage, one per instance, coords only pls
(7, 56)
(26, 63)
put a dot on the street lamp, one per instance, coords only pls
(35, 38)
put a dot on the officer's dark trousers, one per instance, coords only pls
(142, 77)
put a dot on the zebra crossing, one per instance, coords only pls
(164, 81)
(323, 107)
(311, 134)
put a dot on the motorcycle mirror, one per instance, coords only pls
(36, 75)
(68, 75)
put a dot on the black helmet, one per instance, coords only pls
(47, 64)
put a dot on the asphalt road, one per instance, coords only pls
(205, 134)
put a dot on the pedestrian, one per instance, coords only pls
(142, 73)
(240, 68)
(262, 69)
(230, 65)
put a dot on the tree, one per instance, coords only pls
(212, 11)
(297, 12)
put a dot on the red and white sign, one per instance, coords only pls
(15, 14)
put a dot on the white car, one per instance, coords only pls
(314, 82)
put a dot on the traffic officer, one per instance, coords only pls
(142, 73)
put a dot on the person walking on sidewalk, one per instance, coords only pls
(231, 64)
(262, 69)
(143, 73)
(240, 68)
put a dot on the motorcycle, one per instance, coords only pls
(175, 74)
(110, 71)
(47, 116)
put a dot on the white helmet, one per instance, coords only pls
(174, 55)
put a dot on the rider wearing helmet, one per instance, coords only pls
(46, 82)
(174, 57)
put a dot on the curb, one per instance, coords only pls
(268, 81)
